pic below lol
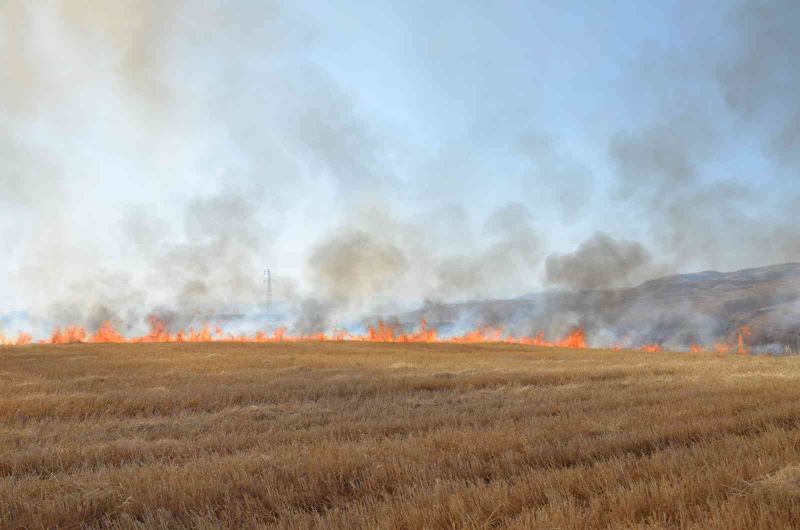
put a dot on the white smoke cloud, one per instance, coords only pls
(160, 156)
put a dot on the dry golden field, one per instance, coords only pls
(370, 436)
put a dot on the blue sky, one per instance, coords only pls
(164, 155)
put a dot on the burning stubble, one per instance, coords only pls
(286, 144)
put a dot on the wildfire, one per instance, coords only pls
(743, 348)
(576, 339)
(69, 335)
(21, 340)
(481, 335)
(379, 332)
(107, 333)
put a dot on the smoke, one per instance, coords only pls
(159, 156)
(220, 260)
(570, 183)
(659, 176)
(355, 270)
(665, 156)
(125, 37)
(683, 170)
(505, 266)
(313, 317)
(101, 296)
(116, 120)
(378, 263)
(600, 262)
(213, 266)
(762, 79)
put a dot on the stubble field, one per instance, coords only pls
(371, 436)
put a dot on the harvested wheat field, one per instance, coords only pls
(360, 435)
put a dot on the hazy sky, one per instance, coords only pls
(373, 153)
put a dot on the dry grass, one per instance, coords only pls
(348, 435)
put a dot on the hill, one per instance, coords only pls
(675, 311)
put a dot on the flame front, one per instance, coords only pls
(381, 331)
(21, 340)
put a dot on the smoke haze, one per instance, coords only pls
(600, 262)
(158, 157)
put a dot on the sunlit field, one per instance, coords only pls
(364, 435)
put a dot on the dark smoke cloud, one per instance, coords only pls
(354, 269)
(313, 316)
(600, 262)
(379, 263)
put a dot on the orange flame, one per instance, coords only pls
(722, 348)
(743, 347)
(107, 333)
(21, 340)
(480, 335)
(70, 335)
(576, 339)
(381, 331)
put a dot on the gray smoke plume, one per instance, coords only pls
(220, 260)
(378, 263)
(664, 156)
(762, 79)
(570, 183)
(118, 118)
(313, 316)
(600, 262)
(215, 269)
(354, 270)
(505, 266)
(659, 177)
(666, 168)
(156, 104)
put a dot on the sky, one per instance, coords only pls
(375, 155)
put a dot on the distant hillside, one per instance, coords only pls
(674, 311)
